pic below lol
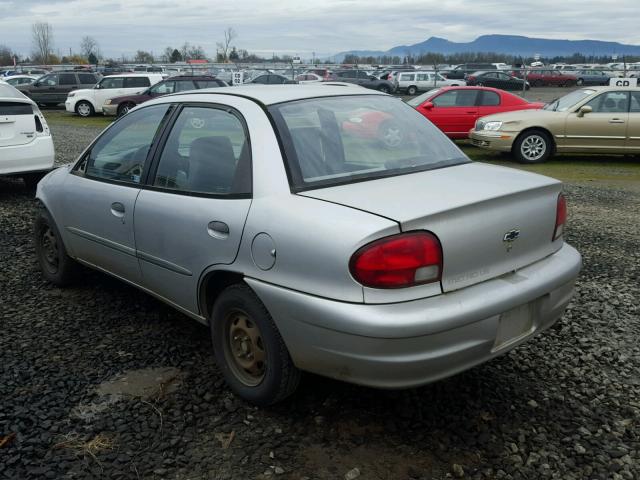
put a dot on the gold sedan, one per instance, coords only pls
(589, 120)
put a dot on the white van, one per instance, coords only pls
(26, 147)
(412, 83)
(89, 101)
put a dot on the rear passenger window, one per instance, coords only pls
(121, 153)
(489, 99)
(136, 82)
(635, 102)
(207, 152)
(87, 79)
(67, 79)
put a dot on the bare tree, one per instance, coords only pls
(223, 47)
(88, 46)
(42, 34)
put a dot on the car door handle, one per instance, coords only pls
(218, 229)
(616, 120)
(117, 209)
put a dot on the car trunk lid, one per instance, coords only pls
(17, 122)
(490, 220)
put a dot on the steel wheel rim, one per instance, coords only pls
(244, 348)
(391, 135)
(50, 253)
(84, 110)
(533, 147)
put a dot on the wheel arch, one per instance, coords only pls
(540, 129)
(212, 283)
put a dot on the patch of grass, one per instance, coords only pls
(61, 117)
(567, 167)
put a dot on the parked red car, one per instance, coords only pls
(543, 78)
(454, 110)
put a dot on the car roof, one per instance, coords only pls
(272, 94)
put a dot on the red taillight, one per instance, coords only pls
(561, 217)
(398, 261)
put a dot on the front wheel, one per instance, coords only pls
(84, 109)
(31, 179)
(249, 349)
(533, 146)
(124, 108)
(580, 82)
(57, 267)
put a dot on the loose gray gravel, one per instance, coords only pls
(102, 381)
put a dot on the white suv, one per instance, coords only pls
(89, 101)
(26, 147)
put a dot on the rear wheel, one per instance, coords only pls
(84, 109)
(580, 82)
(249, 349)
(124, 108)
(533, 146)
(57, 267)
(412, 90)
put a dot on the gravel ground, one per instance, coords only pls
(102, 381)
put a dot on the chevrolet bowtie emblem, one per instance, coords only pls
(510, 237)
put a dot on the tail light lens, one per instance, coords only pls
(561, 217)
(399, 261)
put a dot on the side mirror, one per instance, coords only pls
(427, 105)
(584, 109)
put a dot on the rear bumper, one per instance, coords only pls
(35, 156)
(413, 343)
(492, 140)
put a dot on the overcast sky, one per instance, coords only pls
(304, 26)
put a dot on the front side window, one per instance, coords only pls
(610, 102)
(49, 80)
(111, 82)
(121, 153)
(635, 102)
(335, 140)
(207, 152)
(456, 98)
(208, 83)
(163, 88)
(184, 85)
(420, 99)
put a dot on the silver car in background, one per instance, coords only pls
(282, 217)
(413, 82)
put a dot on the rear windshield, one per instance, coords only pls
(15, 108)
(337, 140)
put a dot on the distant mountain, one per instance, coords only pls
(509, 45)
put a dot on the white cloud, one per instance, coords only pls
(288, 26)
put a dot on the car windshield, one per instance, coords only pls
(415, 101)
(337, 140)
(562, 104)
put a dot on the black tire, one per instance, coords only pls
(236, 308)
(538, 142)
(580, 82)
(384, 89)
(538, 83)
(31, 179)
(57, 267)
(412, 90)
(84, 109)
(124, 108)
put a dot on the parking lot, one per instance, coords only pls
(103, 381)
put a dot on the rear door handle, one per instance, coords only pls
(218, 229)
(117, 209)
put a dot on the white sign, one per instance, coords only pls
(238, 78)
(623, 82)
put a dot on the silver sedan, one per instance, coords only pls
(313, 228)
